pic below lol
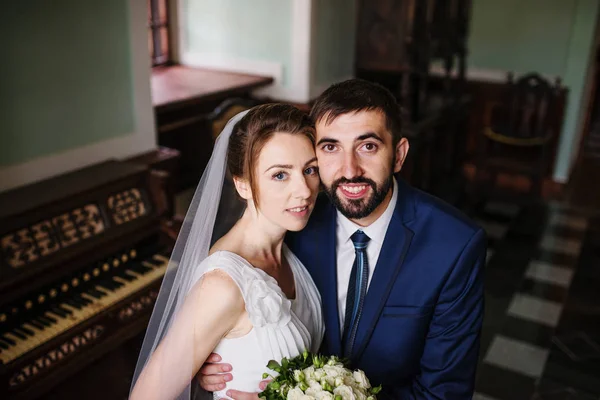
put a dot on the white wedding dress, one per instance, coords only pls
(281, 327)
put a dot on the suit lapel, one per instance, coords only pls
(328, 287)
(395, 246)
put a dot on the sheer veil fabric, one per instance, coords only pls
(214, 196)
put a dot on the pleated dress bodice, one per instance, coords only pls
(281, 327)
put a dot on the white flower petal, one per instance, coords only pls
(362, 379)
(295, 394)
(345, 391)
(324, 396)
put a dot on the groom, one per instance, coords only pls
(399, 271)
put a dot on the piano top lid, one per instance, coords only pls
(33, 196)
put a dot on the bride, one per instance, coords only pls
(248, 297)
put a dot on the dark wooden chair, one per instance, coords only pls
(225, 111)
(518, 137)
(194, 137)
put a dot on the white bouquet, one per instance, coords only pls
(315, 377)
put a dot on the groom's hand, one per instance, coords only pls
(213, 376)
(237, 395)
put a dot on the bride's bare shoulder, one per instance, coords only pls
(218, 283)
(226, 243)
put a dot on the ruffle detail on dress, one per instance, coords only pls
(266, 304)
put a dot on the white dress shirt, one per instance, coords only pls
(345, 249)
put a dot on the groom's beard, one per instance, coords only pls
(359, 208)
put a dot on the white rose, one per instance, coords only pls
(266, 304)
(330, 380)
(323, 395)
(362, 379)
(344, 391)
(350, 381)
(307, 397)
(312, 383)
(315, 385)
(309, 373)
(331, 371)
(295, 394)
(319, 373)
(339, 381)
(359, 394)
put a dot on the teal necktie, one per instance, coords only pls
(357, 289)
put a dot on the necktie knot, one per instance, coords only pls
(360, 240)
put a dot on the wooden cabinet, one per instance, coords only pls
(398, 40)
(183, 98)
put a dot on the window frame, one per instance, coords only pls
(157, 24)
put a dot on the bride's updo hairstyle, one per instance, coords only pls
(254, 130)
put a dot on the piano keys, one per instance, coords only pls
(56, 316)
(82, 257)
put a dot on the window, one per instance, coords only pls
(158, 32)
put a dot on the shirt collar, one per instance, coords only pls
(377, 230)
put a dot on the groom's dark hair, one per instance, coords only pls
(356, 95)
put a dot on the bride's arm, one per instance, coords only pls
(210, 311)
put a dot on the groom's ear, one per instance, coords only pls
(243, 188)
(401, 152)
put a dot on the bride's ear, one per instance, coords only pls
(243, 188)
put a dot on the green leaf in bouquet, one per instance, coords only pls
(333, 360)
(327, 386)
(376, 389)
(338, 397)
(318, 361)
(284, 389)
(274, 365)
(299, 375)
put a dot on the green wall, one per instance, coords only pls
(553, 37)
(521, 35)
(65, 76)
(579, 59)
(258, 30)
(334, 38)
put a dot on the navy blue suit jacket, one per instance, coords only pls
(419, 331)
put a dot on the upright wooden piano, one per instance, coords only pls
(81, 261)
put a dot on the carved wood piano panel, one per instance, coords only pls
(81, 261)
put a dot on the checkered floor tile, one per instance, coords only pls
(532, 287)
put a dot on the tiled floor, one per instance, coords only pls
(517, 356)
(542, 332)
